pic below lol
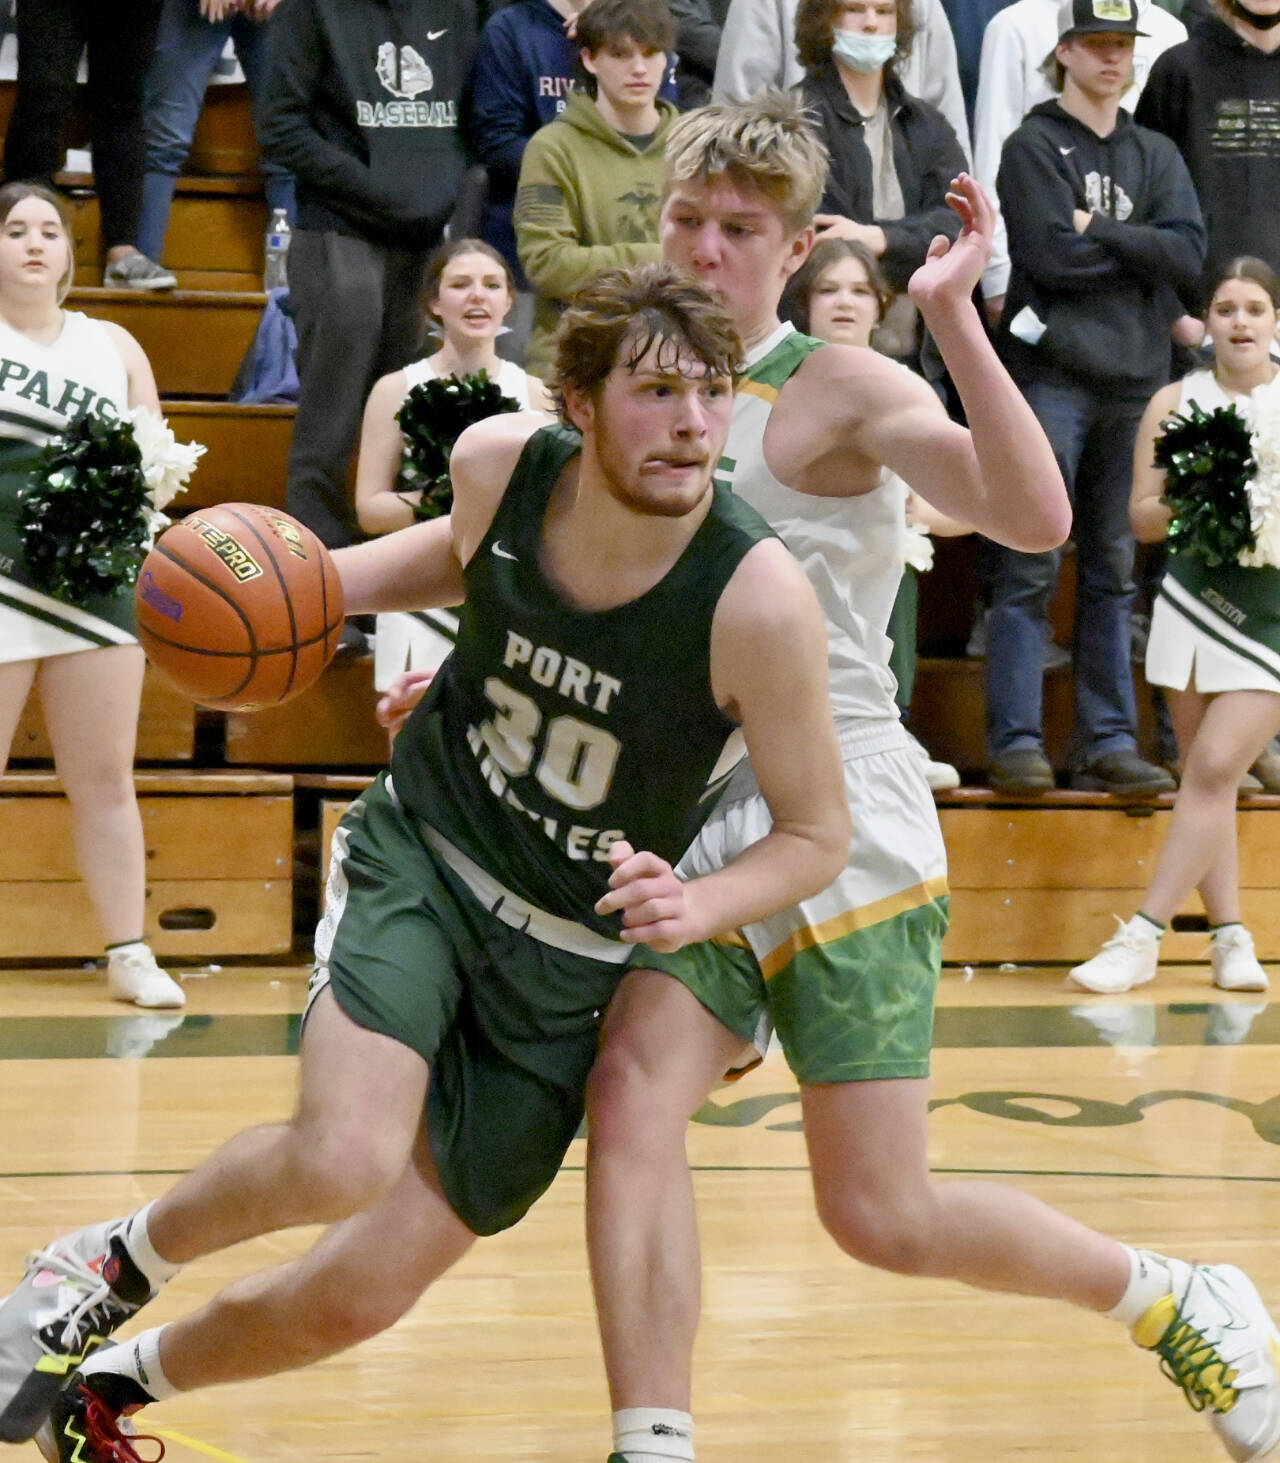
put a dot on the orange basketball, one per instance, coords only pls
(240, 606)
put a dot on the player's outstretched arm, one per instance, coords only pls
(1000, 476)
(420, 568)
(769, 671)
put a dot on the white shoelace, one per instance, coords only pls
(99, 1290)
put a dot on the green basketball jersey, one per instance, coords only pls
(552, 732)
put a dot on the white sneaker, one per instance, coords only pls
(1235, 966)
(133, 975)
(1128, 959)
(941, 776)
(1216, 1341)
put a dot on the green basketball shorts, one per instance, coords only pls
(507, 1023)
(847, 978)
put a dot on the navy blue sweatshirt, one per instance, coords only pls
(1106, 298)
(362, 105)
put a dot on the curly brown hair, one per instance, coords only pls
(620, 314)
(816, 23)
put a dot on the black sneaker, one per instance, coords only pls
(1124, 773)
(1026, 769)
(75, 1293)
(87, 1424)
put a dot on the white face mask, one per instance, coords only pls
(862, 52)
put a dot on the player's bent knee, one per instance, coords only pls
(884, 1236)
(337, 1176)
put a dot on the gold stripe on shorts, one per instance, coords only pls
(853, 919)
(757, 388)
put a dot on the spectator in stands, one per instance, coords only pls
(120, 38)
(1213, 643)
(589, 183)
(520, 80)
(758, 49)
(699, 30)
(839, 294)
(893, 156)
(1012, 80)
(1104, 232)
(360, 103)
(81, 651)
(469, 292)
(1218, 97)
(193, 35)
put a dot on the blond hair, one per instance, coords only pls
(767, 143)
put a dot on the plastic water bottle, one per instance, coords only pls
(276, 253)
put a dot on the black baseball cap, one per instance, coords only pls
(1092, 17)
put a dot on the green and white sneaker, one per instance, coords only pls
(1216, 1341)
(67, 1304)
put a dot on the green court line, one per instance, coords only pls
(1038, 1173)
(1089, 1024)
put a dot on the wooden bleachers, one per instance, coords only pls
(194, 339)
(247, 449)
(166, 726)
(1040, 880)
(1032, 881)
(219, 866)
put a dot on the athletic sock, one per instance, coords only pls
(129, 1374)
(157, 1270)
(1156, 927)
(1149, 1281)
(653, 1435)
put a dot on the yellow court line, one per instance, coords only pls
(171, 1435)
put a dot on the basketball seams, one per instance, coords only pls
(267, 540)
(201, 577)
(286, 612)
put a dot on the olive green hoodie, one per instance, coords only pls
(587, 200)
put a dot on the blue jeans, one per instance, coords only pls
(1092, 435)
(187, 51)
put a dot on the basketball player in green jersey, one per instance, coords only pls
(627, 628)
(848, 977)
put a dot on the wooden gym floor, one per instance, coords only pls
(1155, 1117)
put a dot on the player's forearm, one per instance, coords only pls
(779, 870)
(413, 569)
(1022, 499)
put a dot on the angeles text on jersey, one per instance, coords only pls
(576, 762)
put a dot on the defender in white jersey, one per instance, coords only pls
(56, 365)
(848, 978)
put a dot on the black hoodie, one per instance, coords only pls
(361, 105)
(1106, 298)
(1218, 98)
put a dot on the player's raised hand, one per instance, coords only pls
(403, 694)
(655, 905)
(951, 272)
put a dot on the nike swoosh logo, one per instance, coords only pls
(1066, 151)
(434, 35)
(501, 553)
